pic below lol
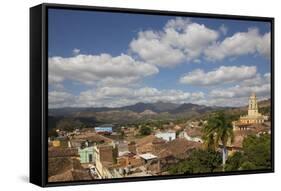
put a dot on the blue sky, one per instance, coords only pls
(172, 59)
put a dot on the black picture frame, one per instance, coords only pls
(39, 91)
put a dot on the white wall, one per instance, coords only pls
(14, 74)
(167, 136)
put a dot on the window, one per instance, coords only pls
(90, 158)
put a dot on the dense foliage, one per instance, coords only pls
(199, 161)
(256, 154)
(145, 130)
(69, 124)
(218, 130)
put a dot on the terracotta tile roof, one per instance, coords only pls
(65, 176)
(147, 140)
(164, 153)
(62, 152)
(71, 175)
(91, 137)
(194, 132)
(176, 148)
(254, 129)
(240, 135)
(58, 165)
(64, 165)
(81, 175)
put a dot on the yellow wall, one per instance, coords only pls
(56, 143)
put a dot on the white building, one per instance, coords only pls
(189, 138)
(167, 136)
(148, 156)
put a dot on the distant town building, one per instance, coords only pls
(177, 128)
(167, 136)
(192, 134)
(90, 137)
(104, 129)
(129, 131)
(148, 156)
(103, 155)
(147, 144)
(86, 154)
(64, 165)
(129, 159)
(122, 148)
(132, 147)
(56, 143)
(253, 117)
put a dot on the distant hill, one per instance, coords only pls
(188, 107)
(264, 103)
(132, 113)
(148, 112)
(139, 107)
(140, 112)
(165, 106)
(155, 107)
(158, 107)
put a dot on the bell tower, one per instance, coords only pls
(253, 105)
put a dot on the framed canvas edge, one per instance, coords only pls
(44, 93)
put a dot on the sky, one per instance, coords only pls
(99, 59)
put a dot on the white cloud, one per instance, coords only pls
(192, 40)
(178, 23)
(58, 87)
(76, 51)
(121, 96)
(150, 48)
(236, 95)
(60, 99)
(263, 47)
(241, 91)
(223, 74)
(241, 43)
(179, 40)
(223, 29)
(175, 96)
(182, 40)
(114, 80)
(260, 84)
(98, 69)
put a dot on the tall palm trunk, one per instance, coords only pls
(224, 156)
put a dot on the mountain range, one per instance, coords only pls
(140, 112)
(152, 108)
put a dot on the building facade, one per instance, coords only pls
(253, 116)
(167, 136)
(86, 154)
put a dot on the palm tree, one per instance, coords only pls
(218, 131)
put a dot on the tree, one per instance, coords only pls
(257, 150)
(145, 130)
(248, 166)
(69, 124)
(199, 161)
(255, 155)
(218, 130)
(52, 133)
(234, 162)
